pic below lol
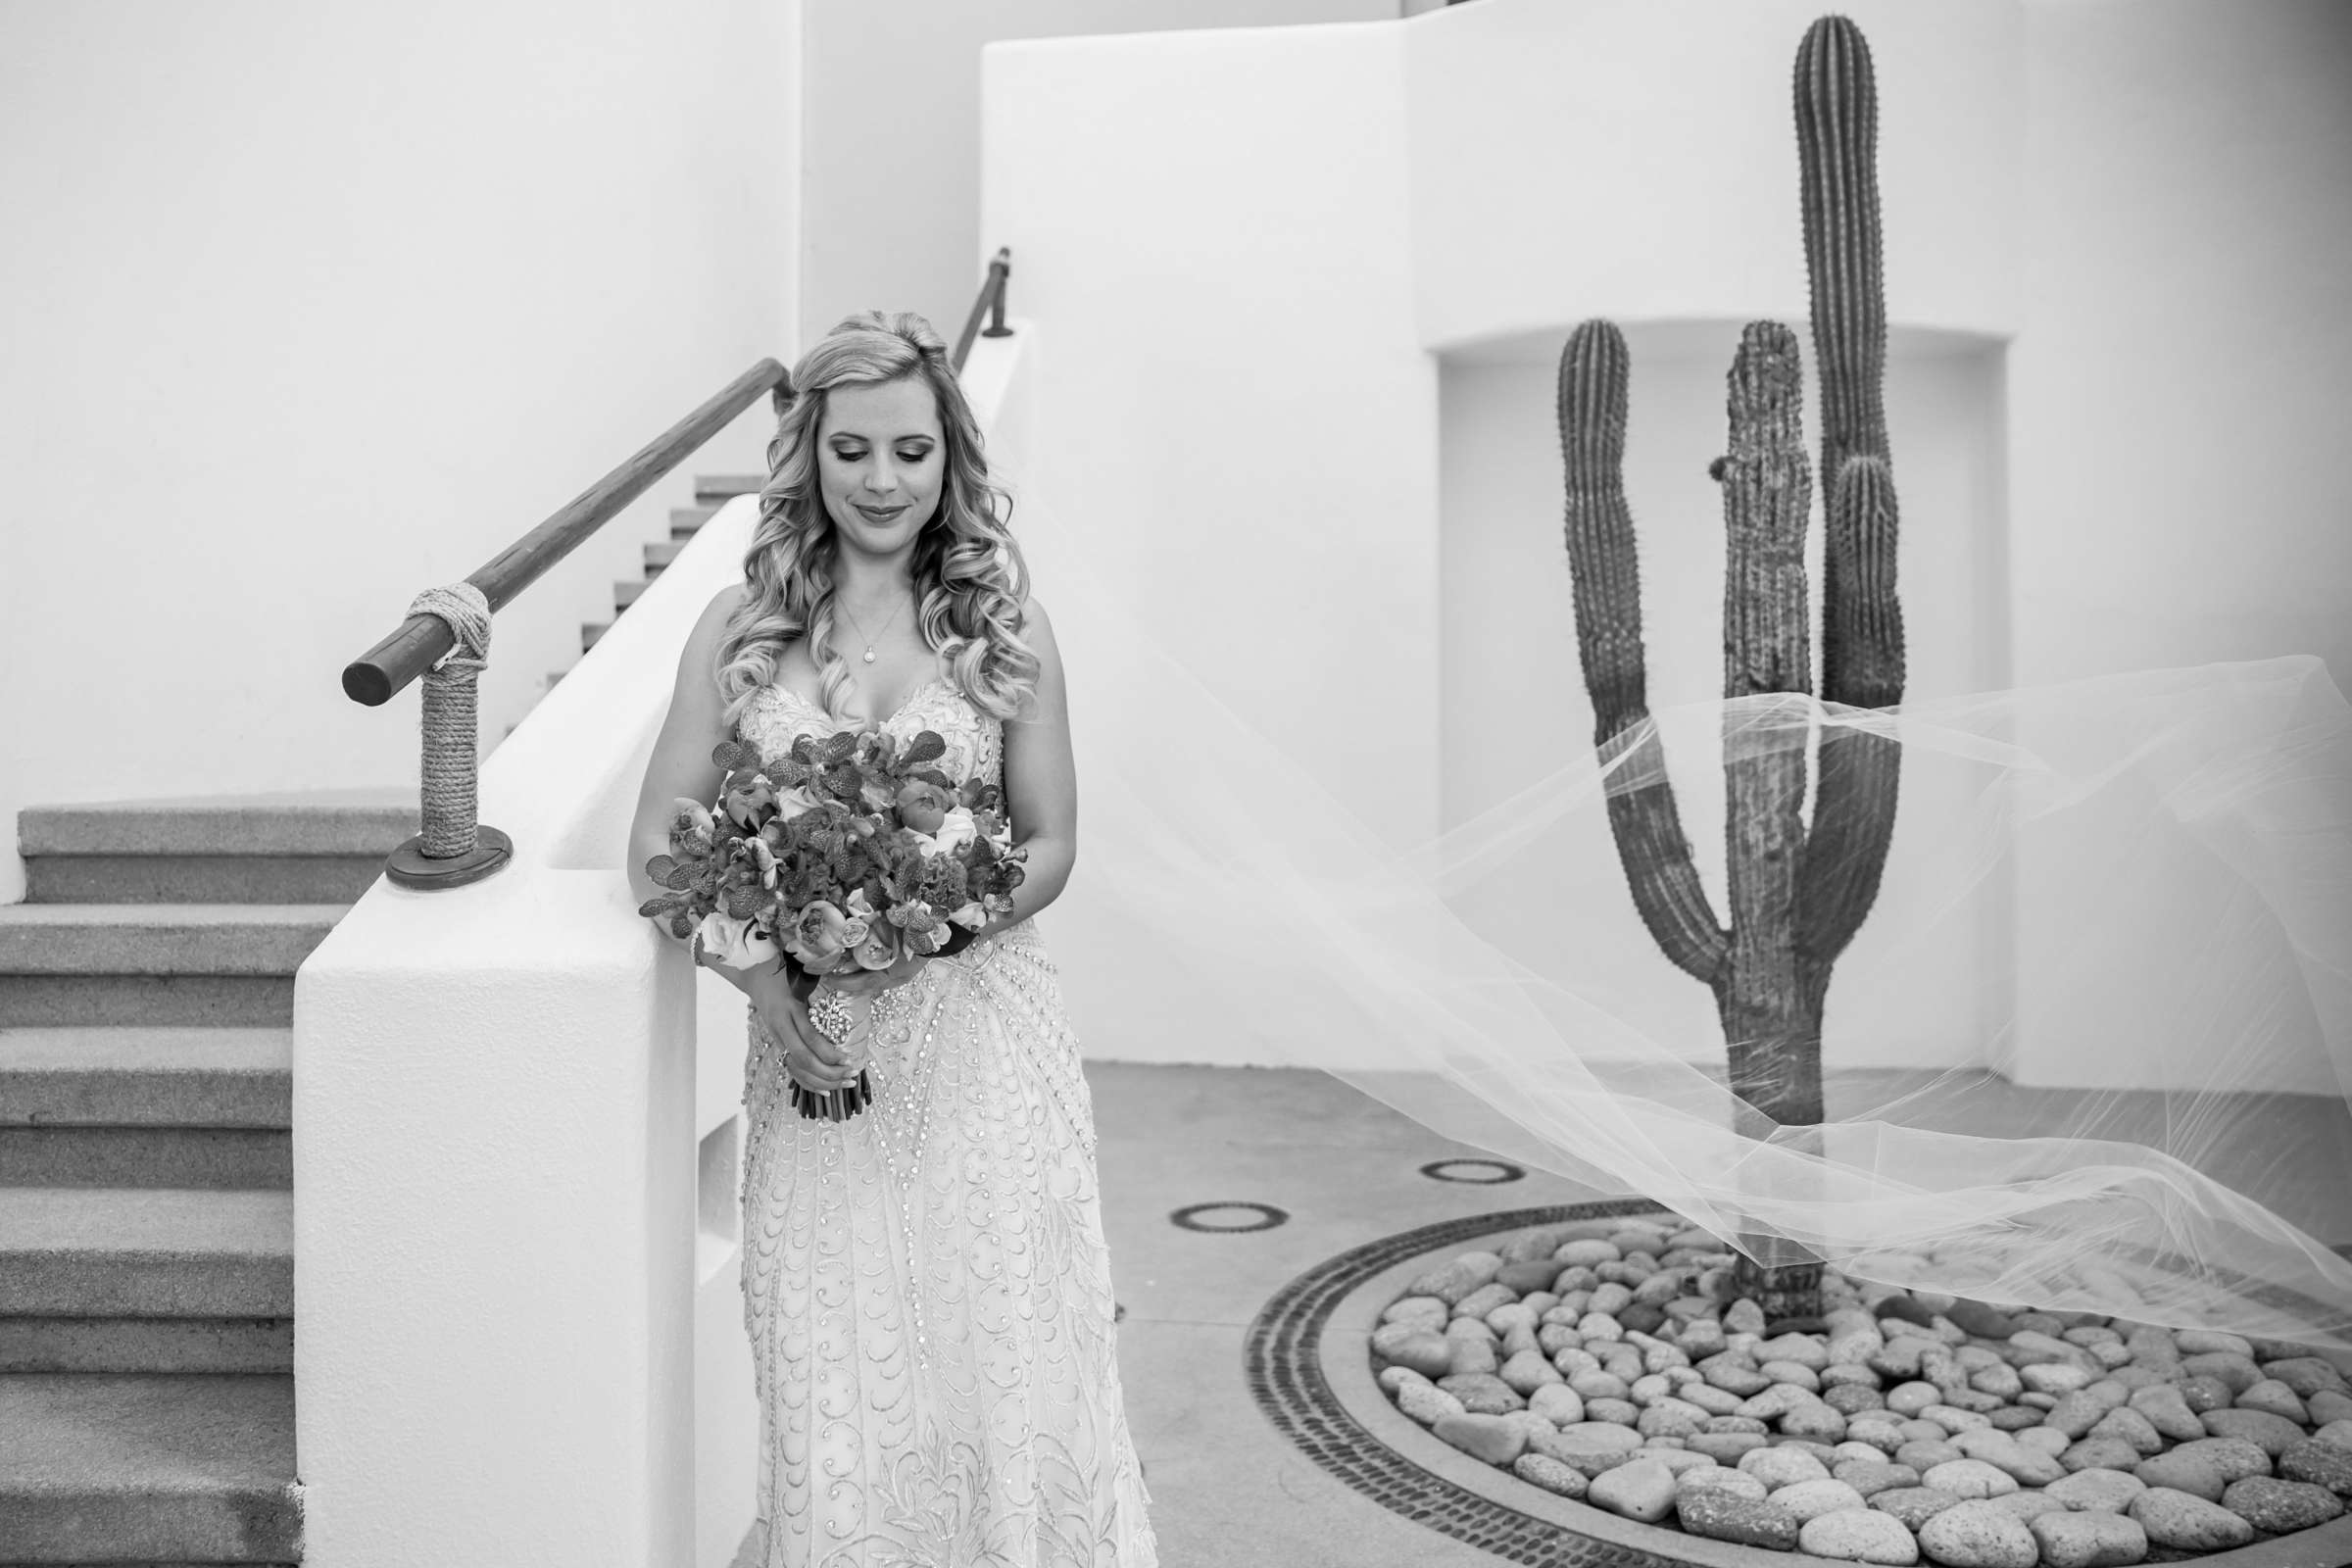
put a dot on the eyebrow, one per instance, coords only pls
(852, 435)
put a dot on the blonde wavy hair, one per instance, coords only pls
(970, 580)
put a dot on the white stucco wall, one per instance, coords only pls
(311, 308)
(2179, 386)
(890, 200)
(502, 1097)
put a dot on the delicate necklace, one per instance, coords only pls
(860, 630)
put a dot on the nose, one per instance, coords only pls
(882, 479)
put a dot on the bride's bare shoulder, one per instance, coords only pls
(700, 656)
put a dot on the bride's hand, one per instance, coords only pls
(813, 1060)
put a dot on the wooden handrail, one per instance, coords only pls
(456, 847)
(420, 640)
(991, 303)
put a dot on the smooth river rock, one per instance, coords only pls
(2088, 1540)
(1978, 1535)
(2275, 1434)
(1641, 1490)
(2097, 1491)
(1492, 1438)
(2281, 1508)
(1721, 1516)
(1810, 1499)
(2190, 1523)
(1914, 1505)
(1542, 1470)
(1970, 1479)
(1859, 1534)
(2323, 1464)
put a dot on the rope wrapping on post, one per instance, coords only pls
(452, 723)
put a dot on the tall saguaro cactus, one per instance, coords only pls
(1798, 895)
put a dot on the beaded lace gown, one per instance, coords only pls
(926, 1284)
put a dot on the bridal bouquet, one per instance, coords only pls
(847, 855)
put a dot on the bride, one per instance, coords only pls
(926, 1283)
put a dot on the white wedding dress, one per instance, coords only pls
(926, 1284)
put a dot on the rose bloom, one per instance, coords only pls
(820, 934)
(923, 805)
(693, 817)
(795, 802)
(880, 948)
(744, 801)
(954, 832)
(737, 944)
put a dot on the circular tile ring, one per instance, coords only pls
(1268, 1216)
(1309, 1364)
(1503, 1169)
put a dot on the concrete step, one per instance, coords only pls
(719, 489)
(175, 1345)
(148, 1470)
(198, 1078)
(145, 1252)
(146, 1156)
(686, 521)
(200, 878)
(661, 554)
(590, 631)
(146, 1107)
(172, 939)
(217, 1000)
(625, 594)
(110, 965)
(331, 822)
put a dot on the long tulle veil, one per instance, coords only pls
(2103, 1002)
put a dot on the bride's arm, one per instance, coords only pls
(1040, 780)
(681, 765)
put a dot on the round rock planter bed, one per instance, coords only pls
(1569, 1387)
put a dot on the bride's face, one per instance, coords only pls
(881, 461)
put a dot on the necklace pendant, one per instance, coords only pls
(869, 656)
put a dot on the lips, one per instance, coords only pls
(881, 514)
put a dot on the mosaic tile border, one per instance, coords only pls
(1286, 1362)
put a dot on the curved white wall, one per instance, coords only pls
(1635, 158)
(311, 306)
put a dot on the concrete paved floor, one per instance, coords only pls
(1228, 1491)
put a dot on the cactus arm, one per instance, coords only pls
(1836, 140)
(1601, 560)
(1862, 627)
(1853, 812)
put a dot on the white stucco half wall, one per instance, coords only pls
(515, 1278)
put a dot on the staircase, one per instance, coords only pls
(146, 1158)
(146, 1171)
(710, 494)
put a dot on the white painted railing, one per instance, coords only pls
(520, 1336)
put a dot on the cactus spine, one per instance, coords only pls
(1796, 895)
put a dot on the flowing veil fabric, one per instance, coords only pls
(2104, 993)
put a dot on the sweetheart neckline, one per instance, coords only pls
(904, 702)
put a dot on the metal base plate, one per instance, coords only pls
(410, 867)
